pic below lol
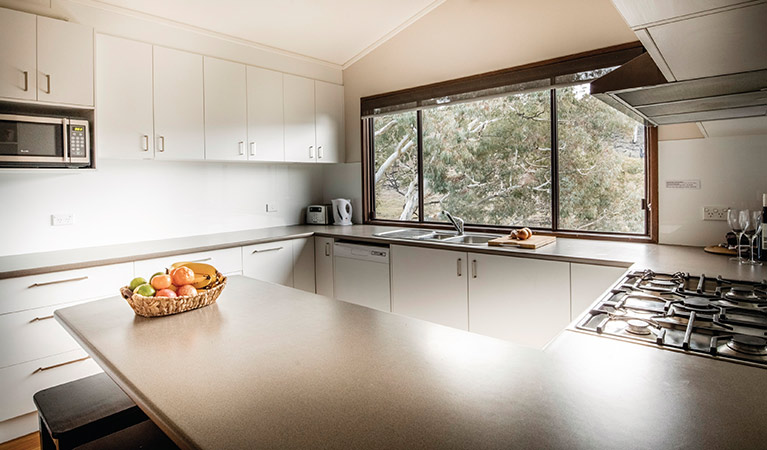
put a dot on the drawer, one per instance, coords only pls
(55, 288)
(226, 260)
(33, 334)
(272, 262)
(20, 382)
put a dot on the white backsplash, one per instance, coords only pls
(345, 181)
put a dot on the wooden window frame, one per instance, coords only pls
(605, 57)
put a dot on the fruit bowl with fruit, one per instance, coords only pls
(184, 286)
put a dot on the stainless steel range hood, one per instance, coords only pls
(639, 89)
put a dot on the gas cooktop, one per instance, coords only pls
(716, 317)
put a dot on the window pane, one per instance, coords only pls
(396, 166)
(601, 165)
(489, 161)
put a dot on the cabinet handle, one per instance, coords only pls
(46, 283)
(458, 269)
(320, 153)
(242, 147)
(145, 144)
(267, 250)
(41, 369)
(474, 268)
(40, 319)
(327, 248)
(252, 149)
(201, 260)
(48, 83)
(161, 146)
(26, 81)
(311, 152)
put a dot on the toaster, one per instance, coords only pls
(318, 214)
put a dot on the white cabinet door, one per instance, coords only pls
(303, 264)
(226, 123)
(266, 126)
(228, 261)
(430, 284)
(588, 282)
(18, 51)
(323, 265)
(329, 119)
(64, 62)
(522, 300)
(124, 98)
(179, 123)
(299, 119)
(272, 261)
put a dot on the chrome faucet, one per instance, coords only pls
(456, 221)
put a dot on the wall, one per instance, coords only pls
(467, 37)
(344, 181)
(731, 171)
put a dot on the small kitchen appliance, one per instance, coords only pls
(318, 214)
(698, 315)
(35, 141)
(342, 211)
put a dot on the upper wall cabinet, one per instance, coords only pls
(45, 59)
(179, 123)
(226, 124)
(124, 98)
(314, 114)
(266, 126)
(329, 120)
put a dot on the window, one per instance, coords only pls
(537, 153)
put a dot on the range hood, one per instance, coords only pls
(639, 89)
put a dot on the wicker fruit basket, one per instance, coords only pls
(163, 306)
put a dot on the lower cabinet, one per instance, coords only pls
(588, 282)
(430, 284)
(303, 264)
(522, 300)
(323, 265)
(228, 261)
(272, 261)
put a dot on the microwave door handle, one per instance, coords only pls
(65, 140)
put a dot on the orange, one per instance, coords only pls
(160, 282)
(186, 289)
(182, 275)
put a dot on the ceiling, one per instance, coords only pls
(334, 31)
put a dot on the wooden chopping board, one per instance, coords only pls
(717, 250)
(532, 242)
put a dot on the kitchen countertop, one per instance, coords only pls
(660, 258)
(270, 366)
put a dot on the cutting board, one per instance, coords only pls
(717, 250)
(532, 242)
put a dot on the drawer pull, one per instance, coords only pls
(42, 369)
(201, 260)
(26, 81)
(460, 261)
(327, 248)
(273, 249)
(474, 268)
(39, 319)
(47, 283)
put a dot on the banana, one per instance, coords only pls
(205, 275)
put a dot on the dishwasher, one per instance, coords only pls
(361, 274)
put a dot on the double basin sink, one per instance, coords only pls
(439, 236)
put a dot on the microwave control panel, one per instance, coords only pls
(77, 141)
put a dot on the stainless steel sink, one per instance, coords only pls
(439, 235)
(473, 239)
(406, 233)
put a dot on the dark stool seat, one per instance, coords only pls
(83, 410)
(145, 435)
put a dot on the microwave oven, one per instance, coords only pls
(35, 141)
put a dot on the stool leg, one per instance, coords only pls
(46, 441)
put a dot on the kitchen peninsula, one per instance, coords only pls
(270, 366)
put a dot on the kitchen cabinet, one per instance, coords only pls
(323, 265)
(303, 264)
(124, 116)
(329, 120)
(588, 282)
(272, 261)
(430, 284)
(522, 300)
(266, 126)
(18, 57)
(179, 121)
(228, 261)
(226, 124)
(64, 62)
(299, 119)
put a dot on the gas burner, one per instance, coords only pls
(697, 303)
(744, 294)
(637, 326)
(750, 345)
(662, 283)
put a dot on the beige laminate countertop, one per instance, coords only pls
(660, 258)
(272, 367)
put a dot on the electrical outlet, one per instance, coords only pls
(58, 220)
(715, 212)
(271, 207)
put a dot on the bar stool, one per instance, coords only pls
(83, 410)
(145, 436)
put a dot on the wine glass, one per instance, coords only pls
(736, 225)
(754, 227)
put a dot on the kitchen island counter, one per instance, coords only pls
(270, 366)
